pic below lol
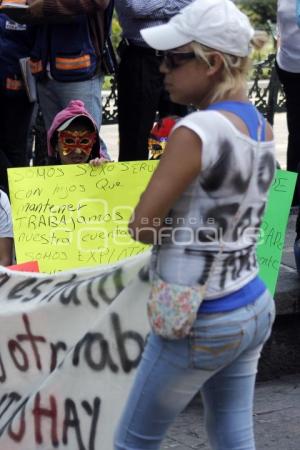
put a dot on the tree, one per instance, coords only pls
(259, 11)
(116, 31)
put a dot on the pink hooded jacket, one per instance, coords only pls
(74, 108)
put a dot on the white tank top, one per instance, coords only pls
(235, 175)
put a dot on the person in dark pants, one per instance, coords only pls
(16, 110)
(288, 69)
(15, 118)
(291, 85)
(141, 91)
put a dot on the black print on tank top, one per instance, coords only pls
(222, 216)
(223, 168)
(215, 180)
(266, 170)
(235, 263)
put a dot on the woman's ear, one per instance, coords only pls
(216, 63)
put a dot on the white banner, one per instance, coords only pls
(70, 344)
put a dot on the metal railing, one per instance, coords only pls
(264, 91)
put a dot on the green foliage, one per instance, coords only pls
(259, 11)
(116, 31)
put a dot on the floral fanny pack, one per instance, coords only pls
(172, 308)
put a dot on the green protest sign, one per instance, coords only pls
(273, 228)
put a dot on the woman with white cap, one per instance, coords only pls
(210, 312)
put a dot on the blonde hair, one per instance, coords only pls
(235, 68)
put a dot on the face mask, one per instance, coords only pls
(156, 146)
(76, 141)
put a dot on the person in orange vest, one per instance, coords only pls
(67, 54)
(16, 110)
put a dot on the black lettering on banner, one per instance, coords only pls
(17, 291)
(3, 398)
(10, 398)
(17, 435)
(32, 339)
(94, 412)
(144, 274)
(4, 278)
(88, 343)
(58, 287)
(72, 421)
(14, 347)
(54, 352)
(35, 291)
(39, 413)
(67, 297)
(121, 338)
(104, 355)
(2, 371)
(90, 296)
(117, 280)
(15, 398)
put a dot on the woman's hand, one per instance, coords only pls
(99, 161)
(6, 251)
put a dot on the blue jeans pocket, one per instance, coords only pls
(214, 346)
(271, 318)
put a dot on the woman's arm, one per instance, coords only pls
(180, 164)
(6, 251)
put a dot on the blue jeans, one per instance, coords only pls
(55, 95)
(219, 358)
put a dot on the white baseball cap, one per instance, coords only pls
(218, 24)
(68, 122)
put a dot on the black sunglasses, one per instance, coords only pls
(172, 60)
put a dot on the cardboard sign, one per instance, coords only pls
(76, 215)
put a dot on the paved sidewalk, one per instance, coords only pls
(276, 419)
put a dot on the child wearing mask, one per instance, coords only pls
(73, 137)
